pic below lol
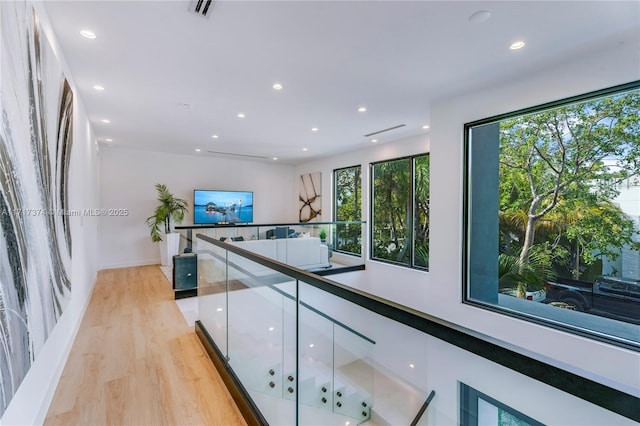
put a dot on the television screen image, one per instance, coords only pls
(212, 207)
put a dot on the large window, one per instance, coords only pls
(400, 211)
(477, 409)
(348, 207)
(553, 213)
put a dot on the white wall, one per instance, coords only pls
(439, 291)
(31, 402)
(129, 180)
(617, 65)
(408, 285)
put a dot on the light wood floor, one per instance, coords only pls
(136, 362)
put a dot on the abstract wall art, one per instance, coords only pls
(310, 197)
(36, 114)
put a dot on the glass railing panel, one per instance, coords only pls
(353, 374)
(184, 245)
(212, 291)
(260, 324)
(398, 366)
(308, 253)
(283, 347)
(313, 246)
(383, 369)
(288, 290)
(266, 248)
(235, 233)
(407, 364)
(335, 377)
(315, 363)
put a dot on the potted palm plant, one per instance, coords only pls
(169, 209)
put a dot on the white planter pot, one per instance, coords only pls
(169, 247)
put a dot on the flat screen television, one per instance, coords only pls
(222, 207)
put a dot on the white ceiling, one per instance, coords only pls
(394, 57)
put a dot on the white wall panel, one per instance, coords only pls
(129, 183)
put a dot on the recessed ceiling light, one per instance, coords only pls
(480, 16)
(412, 366)
(314, 129)
(109, 140)
(271, 329)
(275, 158)
(88, 34)
(305, 149)
(517, 45)
(106, 121)
(219, 309)
(362, 109)
(277, 86)
(98, 88)
(241, 115)
(311, 345)
(426, 126)
(214, 136)
(197, 149)
(374, 140)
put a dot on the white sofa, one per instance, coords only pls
(304, 253)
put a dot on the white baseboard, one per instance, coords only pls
(130, 264)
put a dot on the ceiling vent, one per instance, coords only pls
(385, 130)
(237, 155)
(202, 7)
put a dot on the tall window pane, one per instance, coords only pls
(392, 207)
(554, 212)
(348, 207)
(421, 212)
(400, 217)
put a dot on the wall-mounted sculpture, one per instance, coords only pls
(310, 197)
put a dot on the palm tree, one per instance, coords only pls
(531, 275)
(169, 208)
(576, 226)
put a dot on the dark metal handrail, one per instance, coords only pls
(259, 225)
(423, 408)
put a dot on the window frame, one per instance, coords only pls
(466, 218)
(335, 207)
(469, 413)
(411, 228)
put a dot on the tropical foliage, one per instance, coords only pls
(421, 213)
(560, 171)
(400, 221)
(391, 210)
(169, 208)
(531, 276)
(348, 193)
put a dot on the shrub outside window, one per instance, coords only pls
(348, 208)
